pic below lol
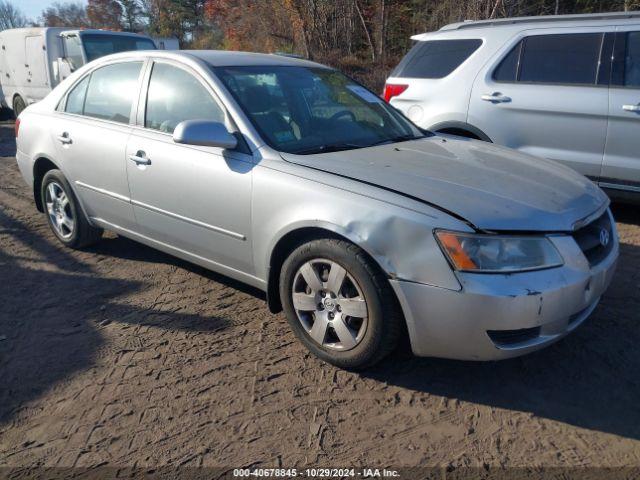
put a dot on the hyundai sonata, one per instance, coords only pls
(291, 177)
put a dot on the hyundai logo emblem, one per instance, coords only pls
(604, 237)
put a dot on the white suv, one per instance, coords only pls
(562, 87)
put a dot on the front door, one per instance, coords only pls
(195, 200)
(547, 96)
(91, 134)
(621, 167)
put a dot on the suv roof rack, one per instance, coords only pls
(541, 19)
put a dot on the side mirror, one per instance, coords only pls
(64, 68)
(204, 133)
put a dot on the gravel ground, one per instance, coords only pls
(122, 355)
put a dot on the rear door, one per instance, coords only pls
(546, 93)
(37, 85)
(621, 167)
(91, 131)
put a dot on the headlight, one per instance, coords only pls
(497, 253)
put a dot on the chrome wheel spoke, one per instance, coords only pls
(67, 222)
(319, 329)
(50, 208)
(304, 302)
(353, 307)
(336, 278)
(311, 277)
(51, 189)
(64, 201)
(345, 335)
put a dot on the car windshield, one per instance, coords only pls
(99, 45)
(305, 110)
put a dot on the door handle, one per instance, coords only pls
(631, 108)
(65, 139)
(140, 158)
(495, 97)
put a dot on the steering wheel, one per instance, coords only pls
(343, 113)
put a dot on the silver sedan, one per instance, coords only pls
(291, 177)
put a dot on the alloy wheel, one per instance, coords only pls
(59, 210)
(329, 304)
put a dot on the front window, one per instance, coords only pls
(307, 110)
(175, 96)
(98, 45)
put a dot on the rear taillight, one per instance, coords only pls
(391, 90)
(17, 126)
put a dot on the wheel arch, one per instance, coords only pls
(462, 129)
(291, 240)
(40, 168)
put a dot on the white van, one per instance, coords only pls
(34, 60)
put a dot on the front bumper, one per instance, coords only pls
(502, 316)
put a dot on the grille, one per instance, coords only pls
(588, 239)
(506, 338)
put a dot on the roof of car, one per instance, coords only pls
(227, 58)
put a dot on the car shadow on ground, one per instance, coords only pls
(126, 249)
(52, 314)
(589, 379)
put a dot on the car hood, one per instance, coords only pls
(492, 187)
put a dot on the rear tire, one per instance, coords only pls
(344, 310)
(18, 106)
(64, 215)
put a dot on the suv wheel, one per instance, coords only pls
(64, 215)
(339, 304)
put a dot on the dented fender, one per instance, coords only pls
(397, 233)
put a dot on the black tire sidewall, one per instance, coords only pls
(18, 102)
(367, 350)
(59, 178)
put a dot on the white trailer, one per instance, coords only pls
(34, 60)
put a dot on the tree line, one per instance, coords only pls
(364, 37)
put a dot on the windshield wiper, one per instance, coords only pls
(333, 147)
(399, 138)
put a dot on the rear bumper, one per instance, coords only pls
(501, 316)
(25, 166)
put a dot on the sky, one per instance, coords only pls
(33, 8)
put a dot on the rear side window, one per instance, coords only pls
(632, 60)
(112, 91)
(435, 58)
(75, 98)
(175, 96)
(567, 59)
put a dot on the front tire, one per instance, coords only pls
(339, 304)
(64, 215)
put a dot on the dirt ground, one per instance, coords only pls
(124, 356)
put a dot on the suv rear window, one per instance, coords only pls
(435, 58)
(568, 59)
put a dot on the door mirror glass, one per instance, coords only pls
(205, 133)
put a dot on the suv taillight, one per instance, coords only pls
(17, 126)
(391, 90)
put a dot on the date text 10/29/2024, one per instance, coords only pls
(316, 472)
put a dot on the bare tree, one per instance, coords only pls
(11, 16)
(67, 14)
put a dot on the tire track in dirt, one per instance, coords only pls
(124, 355)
